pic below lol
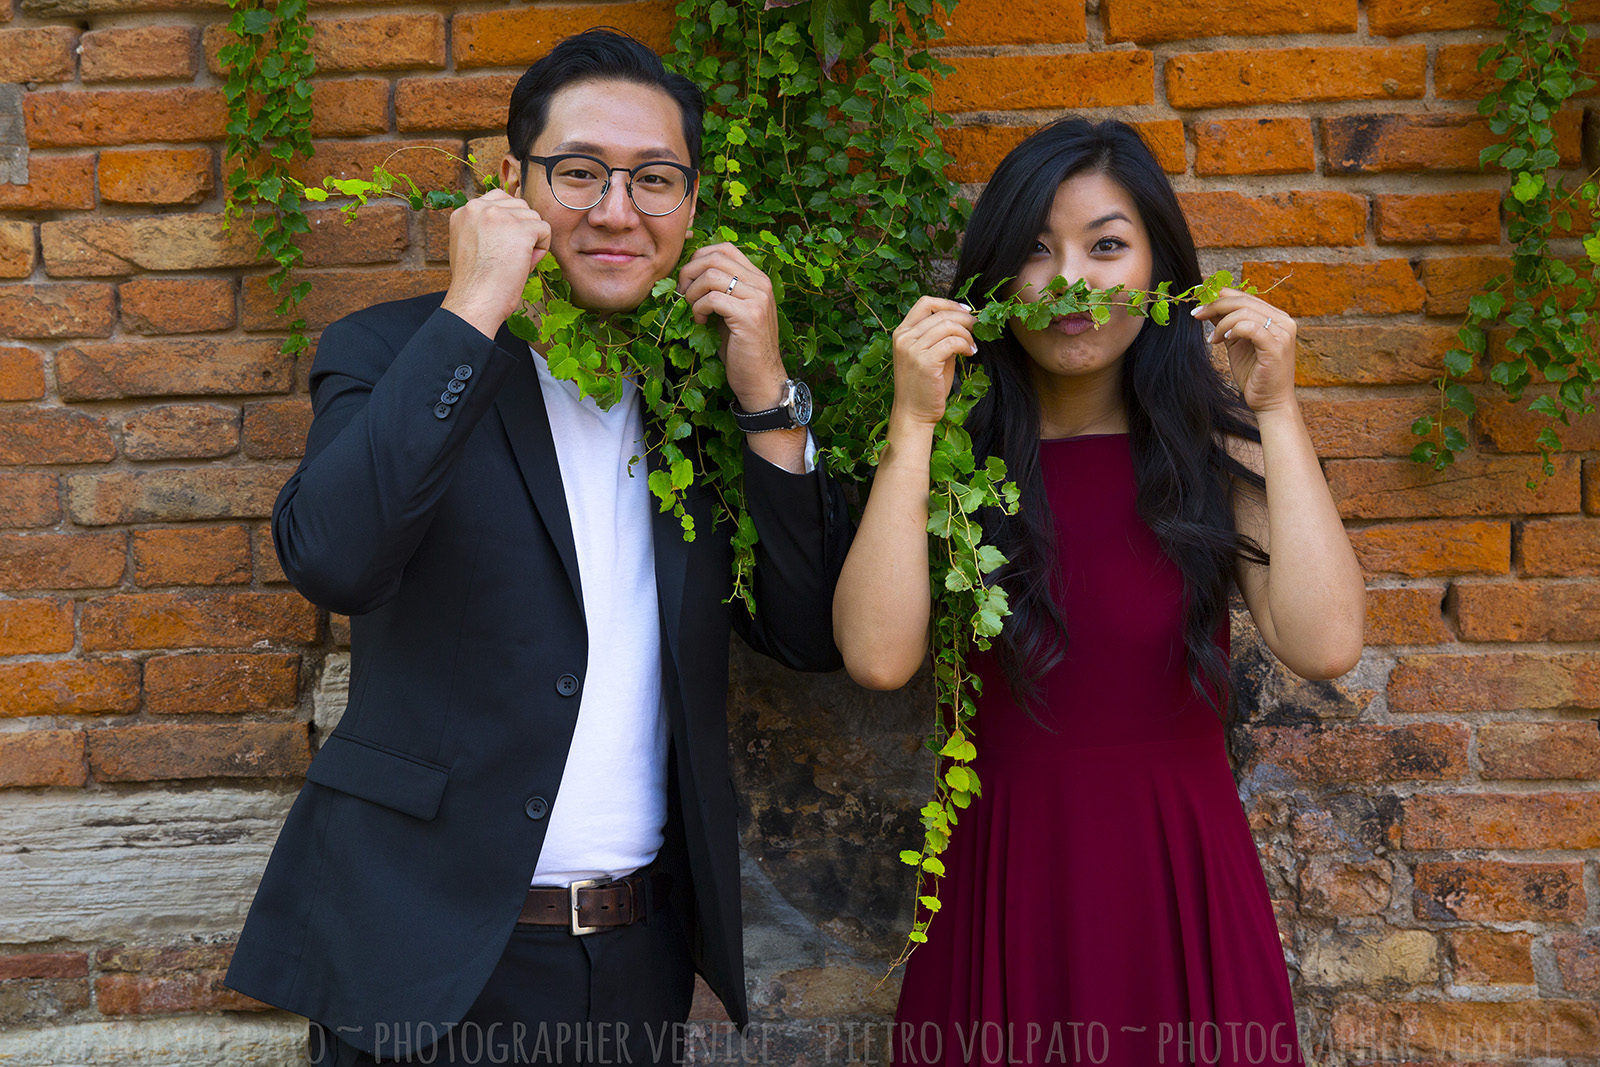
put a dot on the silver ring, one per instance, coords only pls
(731, 284)
(1268, 324)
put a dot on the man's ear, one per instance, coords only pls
(694, 199)
(511, 174)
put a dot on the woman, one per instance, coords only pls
(1104, 902)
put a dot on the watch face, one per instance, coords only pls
(800, 403)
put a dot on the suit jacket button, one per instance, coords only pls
(455, 385)
(441, 411)
(463, 372)
(448, 397)
(567, 684)
(536, 808)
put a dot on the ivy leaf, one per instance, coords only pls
(1527, 186)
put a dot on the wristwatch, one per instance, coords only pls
(793, 410)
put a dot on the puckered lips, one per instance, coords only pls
(1071, 325)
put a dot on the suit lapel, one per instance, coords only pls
(671, 551)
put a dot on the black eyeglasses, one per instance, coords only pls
(579, 182)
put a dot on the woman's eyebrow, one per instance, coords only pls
(1103, 219)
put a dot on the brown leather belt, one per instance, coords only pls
(593, 903)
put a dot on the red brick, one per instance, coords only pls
(155, 175)
(1529, 610)
(64, 182)
(1380, 287)
(1438, 218)
(1555, 548)
(89, 560)
(1490, 957)
(1456, 75)
(225, 366)
(1508, 425)
(44, 965)
(1472, 486)
(1365, 427)
(516, 37)
(335, 294)
(1156, 20)
(1243, 77)
(1451, 281)
(164, 959)
(1591, 487)
(1075, 80)
(1441, 1031)
(1336, 888)
(1539, 750)
(172, 751)
(196, 620)
(28, 499)
(191, 555)
(221, 684)
(1373, 354)
(1514, 821)
(349, 107)
(379, 236)
(181, 431)
(69, 687)
(378, 42)
(97, 247)
(41, 757)
(1491, 891)
(53, 435)
(139, 53)
(113, 497)
(65, 309)
(35, 625)
(1435, 549)
(1366, 144)
(1496, 681)
(1227, 219)
(38, 55)
(1361, 753)
(460, 103)
(124, 116)
(17, 244)
(127, 994)
(1254, 146)
(995, 22)
(178, 305)
(1394, 18)
(276, 429)
(1411, 616)
(432, 164)
(436, 236)
(21, 374)
(268, 569)
(339, 630)
(1578, 961)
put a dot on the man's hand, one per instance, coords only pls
(749, 321)
(495, 242)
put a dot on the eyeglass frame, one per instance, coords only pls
(548, 163)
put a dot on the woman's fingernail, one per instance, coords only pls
(1195, 311)
(966, 307)
(974, 348)
(1227, 335)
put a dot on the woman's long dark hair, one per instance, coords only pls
(1179, 408)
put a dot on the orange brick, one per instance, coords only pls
(156, 175)
(53, 435)
(1361, 753)
(177, 305)
(191, 555)
(379, 236)
(1508, 426)
(220, 683)
(1578, 961)
(17, 249)
(1254, 146)
(1456, 75)
(1373, 354)
(121, 496)
(1591, 487)
(1439, 218)
(28, 499)
(478, 103)
(1492, 957)
(1381, 287)
(516, 37)
(977, 150)
(172, 751)
(335, 294)
(1341, 429)
(1452, 281)
(378, 42)
(1366, 144)
(21, 373)
(1411, 616)
(1529, 610)
(69, 687)
(1025, 22)
(196, 620)
(1437, 549)
(65, 182)
(180, 431)
(1539, 750)
(1495, 681)
(1556, 548)
(1393, 18)
(276, 429)
(63, 560)
(1076, 80)
(1242, 77)
(1337, 888)
(123, 116)
(165, 994)
(1490, 820)
(432, 164)
(93, 247)
(1492, 891)
(102, 371)
(38, 55)
(1155, 20)
(1437, 1031)
(35, 626)
(1227, 219)
(41, 757)
(139, 53)
(349, 107)
(1473, 486)
(66, 309)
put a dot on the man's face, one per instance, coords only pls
(612, 253)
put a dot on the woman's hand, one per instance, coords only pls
(926, 344)
(1259, 340)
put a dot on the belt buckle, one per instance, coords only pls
(572, 899)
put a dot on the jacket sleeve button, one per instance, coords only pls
(441, 411)
(463, 372)
(455, 385)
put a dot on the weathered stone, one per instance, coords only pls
(1379, 959)
(227, 1041)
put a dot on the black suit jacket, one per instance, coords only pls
(442, 530)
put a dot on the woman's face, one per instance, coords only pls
(1093, 232)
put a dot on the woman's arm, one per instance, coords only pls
(882, 606)
(1310, 602)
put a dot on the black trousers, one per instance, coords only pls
(617, 996)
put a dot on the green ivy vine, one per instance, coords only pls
(1545, 307)
(268, 93)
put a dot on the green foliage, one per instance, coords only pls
(1545, 308)
(268, 92)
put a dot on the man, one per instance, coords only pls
(538, 659)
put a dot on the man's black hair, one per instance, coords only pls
(601, 53)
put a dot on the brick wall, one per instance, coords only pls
(1429, 825)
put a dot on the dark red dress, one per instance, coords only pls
(1103, 902)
